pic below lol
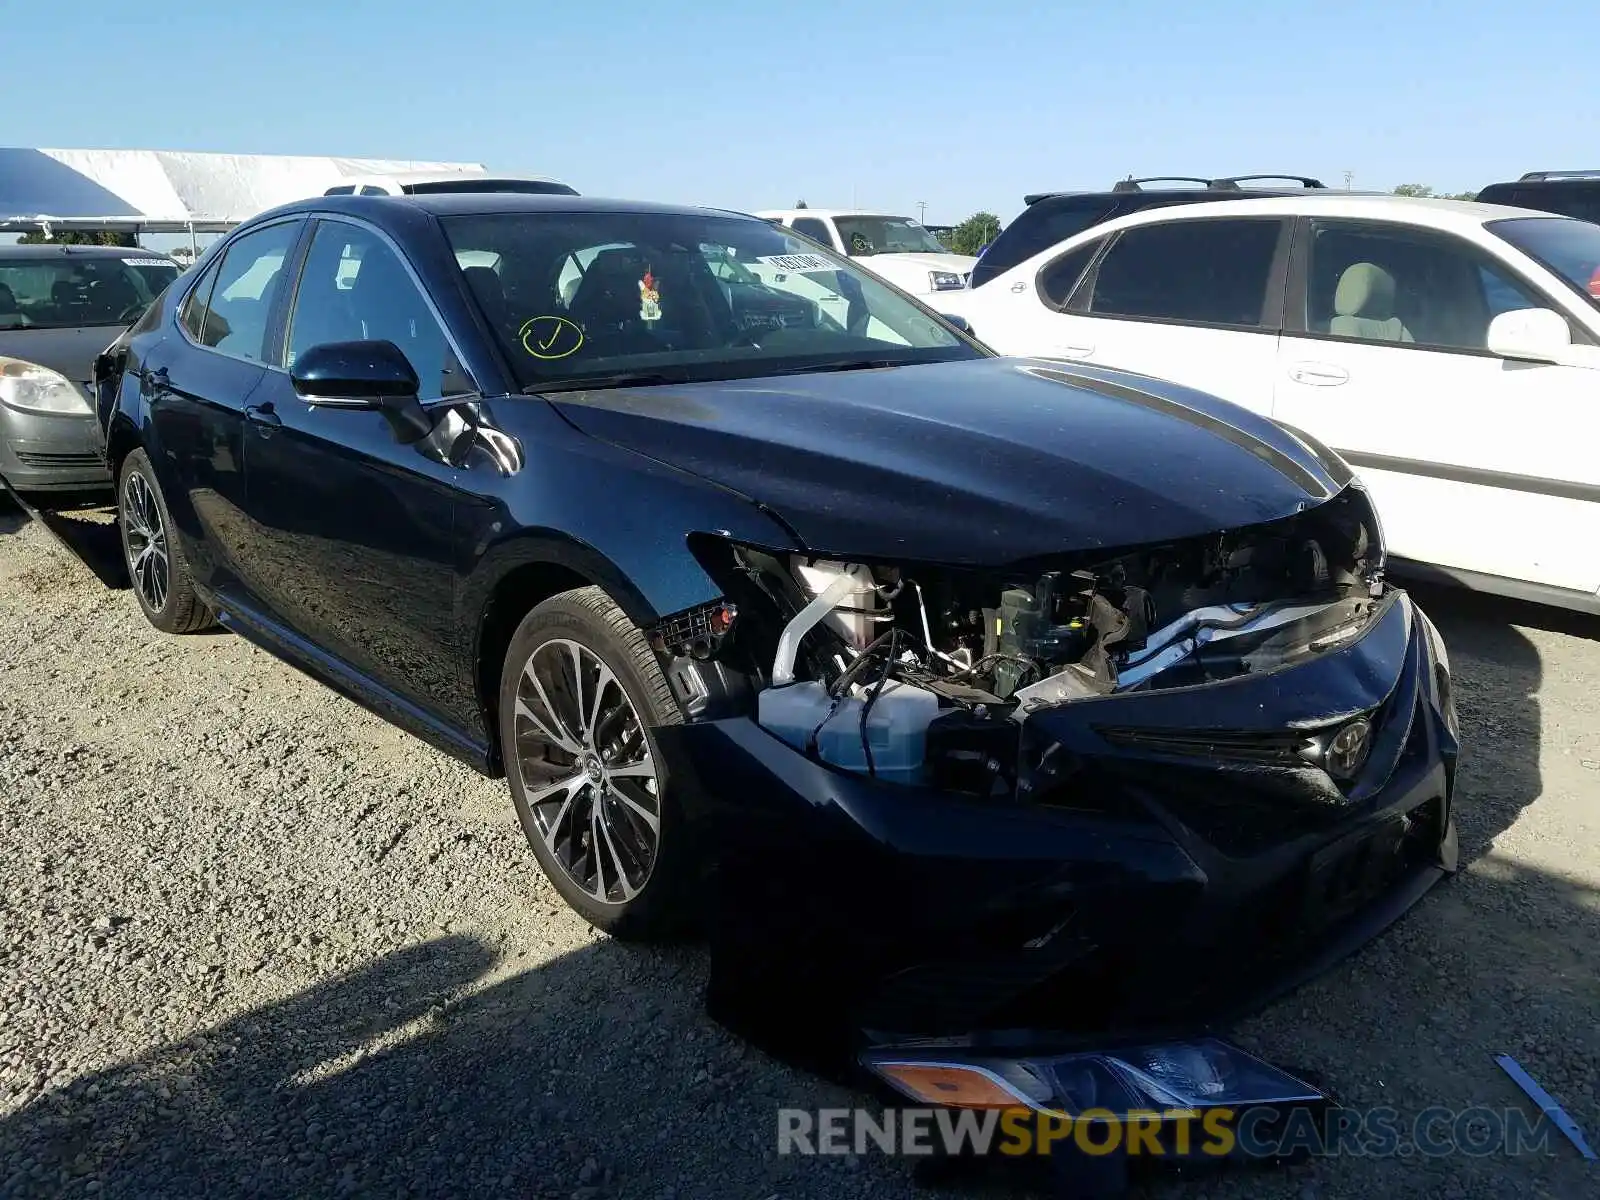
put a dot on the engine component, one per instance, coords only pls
(882, 734)
(857, 615)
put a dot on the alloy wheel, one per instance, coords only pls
(146, 541)
(587, 771)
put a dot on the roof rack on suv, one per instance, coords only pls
(1228, 183)
(1130, 184)
(1232, 182)
(1541, 175)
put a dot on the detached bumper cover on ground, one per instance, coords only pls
(1180, 868)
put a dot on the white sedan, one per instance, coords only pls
(1449, 351)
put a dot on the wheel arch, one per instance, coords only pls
(514, 578)
(122, 439)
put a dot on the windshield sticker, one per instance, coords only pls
(146, 262)
(550, 337)
(649, 298)
(798, 263)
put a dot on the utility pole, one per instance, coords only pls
(922, 212)
(1349, 177)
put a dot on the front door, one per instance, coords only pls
(197, 387)
(1475, 462)
(1196, 302)
(354, 550)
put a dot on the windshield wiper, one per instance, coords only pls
(621, 379)
(852, 364)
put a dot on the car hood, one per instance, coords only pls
(981, 462)
(959, 263)
(70, 351)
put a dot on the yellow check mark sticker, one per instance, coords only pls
(550, 337)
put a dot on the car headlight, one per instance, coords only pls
(1173, 1078)
(944, 281)
(28, 387)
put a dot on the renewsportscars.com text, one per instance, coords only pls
(1216, 1132)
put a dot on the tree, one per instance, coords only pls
(79, 237)
(976, 232)
(799, 203)
(1422, 189)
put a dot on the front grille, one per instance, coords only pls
(1275, 747)
(33, 458)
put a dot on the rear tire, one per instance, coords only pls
(581, 695)
(153, 554)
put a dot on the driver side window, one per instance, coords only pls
(355, 288)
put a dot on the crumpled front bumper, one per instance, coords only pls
(1158, 892)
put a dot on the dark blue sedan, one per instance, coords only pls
(955, 676)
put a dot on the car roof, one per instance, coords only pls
(1431, 211)
(73, 250)
(452, 204)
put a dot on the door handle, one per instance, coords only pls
(263, 415)
(1315, 374)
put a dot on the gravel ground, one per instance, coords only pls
(255, 942)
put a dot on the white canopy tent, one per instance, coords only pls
(169, 191)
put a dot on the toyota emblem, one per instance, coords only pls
(1347, 749)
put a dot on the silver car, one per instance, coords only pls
(60, 305)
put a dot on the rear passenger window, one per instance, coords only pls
(1059, 276)
(248, 280)
(1210, 272)
(194, 307)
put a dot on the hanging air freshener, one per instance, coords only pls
(649, 298)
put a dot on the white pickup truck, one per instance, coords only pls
(896, 249)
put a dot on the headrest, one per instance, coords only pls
(1365, 290)
(8, 299)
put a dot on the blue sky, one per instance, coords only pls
(746, 105)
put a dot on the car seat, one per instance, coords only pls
(1363, 306)
(10, 310)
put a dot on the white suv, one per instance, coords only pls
(1450, 351)
(897, 249)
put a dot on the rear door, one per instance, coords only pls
(1197, 302)
(1476, 463)
(196, 388)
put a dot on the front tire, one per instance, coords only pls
(152, 553)
(581, 695)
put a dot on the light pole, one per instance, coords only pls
(922, 212)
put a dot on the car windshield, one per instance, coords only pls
(1569, 248)
(75, 292)
(578, 298)
(886, 235)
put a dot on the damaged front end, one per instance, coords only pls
(1116, 793)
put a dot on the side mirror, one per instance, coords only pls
(363, 375)
(353, 375)
(1530, 335)
(959, 322)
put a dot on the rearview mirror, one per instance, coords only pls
(353, 375)
(959, 322)
(363, 375)
(1530, 335)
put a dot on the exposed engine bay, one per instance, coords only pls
(876, 666)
